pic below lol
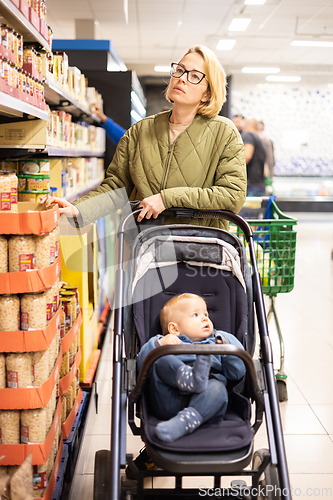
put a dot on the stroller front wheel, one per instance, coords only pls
(268, 485)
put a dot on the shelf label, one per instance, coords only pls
(12, 134)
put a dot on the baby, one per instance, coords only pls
(184, 320)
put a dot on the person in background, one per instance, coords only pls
(238, 121)
(255, 156)
(269, 163)
(112, 129)
(187, 157)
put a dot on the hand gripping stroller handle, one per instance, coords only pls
(221, 349)
(191, 213)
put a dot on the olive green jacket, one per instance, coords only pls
(204, 168)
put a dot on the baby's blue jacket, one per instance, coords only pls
(228, 367)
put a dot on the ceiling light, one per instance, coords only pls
(283, 78)
(260, 70)
(226, 44)
(239, 23)
(254, 2)
(311, 43)
(162, 69)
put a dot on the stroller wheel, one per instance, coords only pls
(102, 474)
(268, 488)
(282, 391)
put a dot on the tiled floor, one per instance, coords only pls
(306, 319)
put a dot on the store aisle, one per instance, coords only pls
(306, 318)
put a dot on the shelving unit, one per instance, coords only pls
(19, 21)
(58, 97)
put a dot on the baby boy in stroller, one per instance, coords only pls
(187, 390)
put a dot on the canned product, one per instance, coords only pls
(71, 288)
(66, 303)
(33, 196)
(34, 166)
(37, 182)
(70, 295)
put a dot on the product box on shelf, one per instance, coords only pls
(30, 397)
(33, 18)
(24, 8)
(48, 494)
(36, 280)
(15, 454)
(31, 218)
(65, 382)
(28, 340)
(79, 266)
(68, 424)
(26, 133)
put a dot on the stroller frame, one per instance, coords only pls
(272, 464)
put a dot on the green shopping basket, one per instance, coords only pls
(275, 247)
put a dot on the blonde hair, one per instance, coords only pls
(217, 83)
(170, 306)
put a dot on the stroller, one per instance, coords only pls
(167, 260)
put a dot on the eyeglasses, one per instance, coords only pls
(193, 76)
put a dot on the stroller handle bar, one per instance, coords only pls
(191, 213)
(222, 349)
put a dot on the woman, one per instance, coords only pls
(188, 157)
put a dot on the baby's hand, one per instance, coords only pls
(218, 340)
(169, 339)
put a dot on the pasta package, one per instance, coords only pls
(33, 311)
(33, 426)
(64, 409)
(21, 253)
(45, 251)
(3, 254)
(9, 313)
(2, 371)
(64, 369)
(19, 370)
(9, 427)
(40, 367)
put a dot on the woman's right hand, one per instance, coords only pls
(65, 207)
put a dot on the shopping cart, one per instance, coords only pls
(275, 246)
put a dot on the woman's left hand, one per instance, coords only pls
(151, 206)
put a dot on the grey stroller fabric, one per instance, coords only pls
(174, 262)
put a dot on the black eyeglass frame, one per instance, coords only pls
(188, 71)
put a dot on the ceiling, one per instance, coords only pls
(160, 31)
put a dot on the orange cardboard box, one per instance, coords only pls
(65, 382)
(30, 397)
(53, 479)
(67, 340)
(31, 340)
(36, 280)
(66, 427)
(32, 218)
(15, 454)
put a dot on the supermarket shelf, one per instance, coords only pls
(15, 107)
(18, 21)
(54, 151)
(56, 96)
(82, 192)
(305, 204)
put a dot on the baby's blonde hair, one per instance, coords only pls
(169, 307)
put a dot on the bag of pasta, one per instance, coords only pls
(21, 487)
